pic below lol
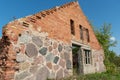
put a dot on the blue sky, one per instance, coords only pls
(97, 11)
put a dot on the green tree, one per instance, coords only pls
(103, 35)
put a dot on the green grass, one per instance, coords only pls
(96, 76)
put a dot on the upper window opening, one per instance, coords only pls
(81, 33)
(72, 27)
(87, 35)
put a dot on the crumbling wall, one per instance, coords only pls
(4, 42)
(39, 46)
(30, 54)
(7, 60)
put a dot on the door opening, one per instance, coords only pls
(76, 59)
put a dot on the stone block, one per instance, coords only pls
(50, 57)
(62, 55)
(25, 38)
(52, 75)
(59, 74)
(47, 42)
(49, 65)
(50, 48)
(56, 67)
(56, 59)
(20, 57)
(38, 60)
(43, 51)
(31, 50)
(55, 45)
(62, 63)
(68, 64)
(42, 74)
(68, 48)
(37, 41)
(22, 76)
(55, 52)
(60, 48)
(33, 69)
(24, 66)
(66, 56)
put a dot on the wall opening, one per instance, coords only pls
(87, 35)
(72, 27)
(81, 32)
(76, 58)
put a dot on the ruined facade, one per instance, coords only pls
(41, 46)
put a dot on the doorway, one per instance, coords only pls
(76, 58)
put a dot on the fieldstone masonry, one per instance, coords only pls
(39, 47)
(39, 62)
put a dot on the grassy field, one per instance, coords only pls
(108, 75)
(96, 76)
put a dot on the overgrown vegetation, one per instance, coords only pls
(111, 59)
(97, 76)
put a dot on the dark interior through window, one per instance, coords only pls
(72, 27)
(87, 56)
(81, 32)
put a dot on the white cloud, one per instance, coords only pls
(112, 38)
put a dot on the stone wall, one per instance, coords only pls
(4, 42)
(43, 58)
(97, 61)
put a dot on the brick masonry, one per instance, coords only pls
(39, 46)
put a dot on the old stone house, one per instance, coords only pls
(53, 44)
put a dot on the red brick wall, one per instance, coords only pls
(57, 24)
